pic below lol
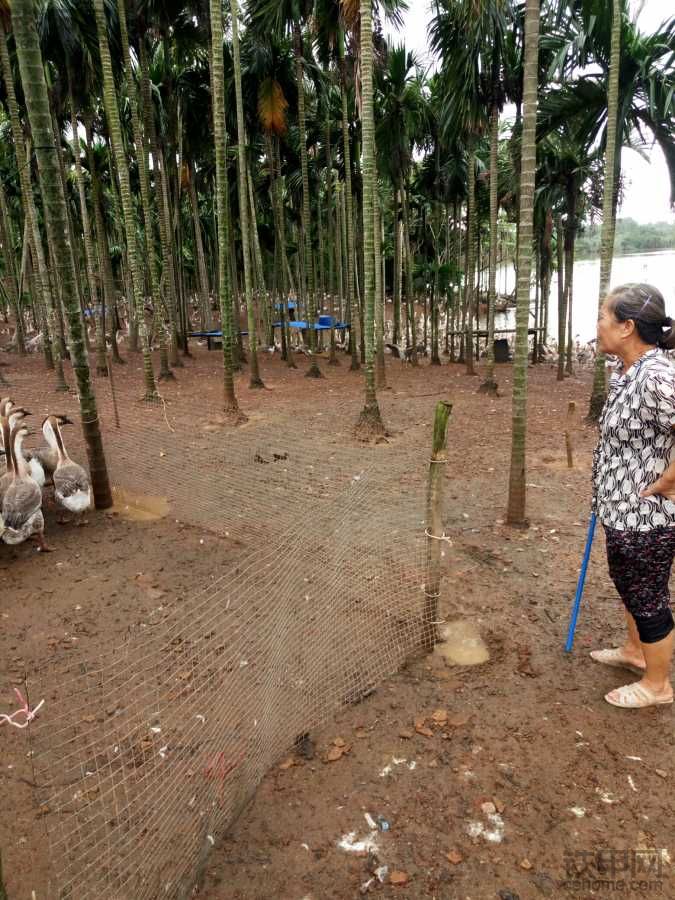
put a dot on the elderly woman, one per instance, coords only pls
(634, 487)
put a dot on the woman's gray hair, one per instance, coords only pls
(644, 305)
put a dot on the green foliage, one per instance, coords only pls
(631, 237)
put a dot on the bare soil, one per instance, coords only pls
(508, 779)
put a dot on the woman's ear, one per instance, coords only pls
(628, 328)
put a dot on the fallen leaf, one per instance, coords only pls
(499, 805)
(661, 773)
(287, 763)
(338, 742)
(361, 733)
(419, 722)
(334, 754)
(458, 719)
(440, 716)
(399, 878)
(525, 864)
(406, 733)
(454, 857)
(424, 731)
(89, 718)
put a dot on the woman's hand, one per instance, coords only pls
(665, 486)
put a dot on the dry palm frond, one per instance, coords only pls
(272, 106)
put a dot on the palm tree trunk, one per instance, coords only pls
(396, 338)
(332, 358)
(255, 381)
(122, 166)
(202, 275)
(470, 282)
(89, 254)
(165, 373)
(349, 212)
(280, 236)
(224, 285)
(516, 499)
(489, 386)
(409, 291)
(13, 285)
(339, 255)
(370, 420)
(54, 203)
(612, 169)
(262, 294)
(310, 298)
(52, 349)
(379, 296)
(562, 312)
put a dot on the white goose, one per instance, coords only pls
(43, 460)
(22, 503)
(72, 487)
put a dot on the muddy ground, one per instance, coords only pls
(512, 778)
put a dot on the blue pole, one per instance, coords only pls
(580, 584)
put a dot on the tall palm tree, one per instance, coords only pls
(517, 492)
(49, 301)
(56, 217)
(612, 150)
(220, 140)
(122, 166)
(242, 169)
(370, 420)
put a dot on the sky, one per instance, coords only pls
(647, 186)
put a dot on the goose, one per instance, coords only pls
(8, 474)
(18, 414)
(22, 503)
(72, 488)
(44, 459)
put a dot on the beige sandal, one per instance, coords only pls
(636, 696)
(616, 660)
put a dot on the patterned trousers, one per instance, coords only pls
(639, 565)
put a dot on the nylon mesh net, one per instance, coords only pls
(145, 755)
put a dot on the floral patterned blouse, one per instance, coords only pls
(634, 449)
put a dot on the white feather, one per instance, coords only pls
(37, 473)
(77, 502)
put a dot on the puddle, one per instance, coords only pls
(138, 507)
(462, 644)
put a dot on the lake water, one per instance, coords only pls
(654, 268)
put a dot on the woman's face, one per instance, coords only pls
(611, 333)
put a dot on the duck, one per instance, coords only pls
(43, 460)
(22, 503)
(5, 406)
(72, 488)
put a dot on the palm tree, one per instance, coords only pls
(612, 165)
(220, 139)
(370, 420)
(280, 16)
(472, 38)
(516, 498)
(52, 347)
(56, 217)
(242, 169)
(122, 167)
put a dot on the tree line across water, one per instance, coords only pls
(631, 237)
(168, 166)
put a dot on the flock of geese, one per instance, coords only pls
(24, 473)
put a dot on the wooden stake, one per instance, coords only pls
(434, 523)
(571, 409)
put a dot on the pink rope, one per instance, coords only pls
(24, 711)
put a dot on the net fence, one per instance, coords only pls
(145, 754)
